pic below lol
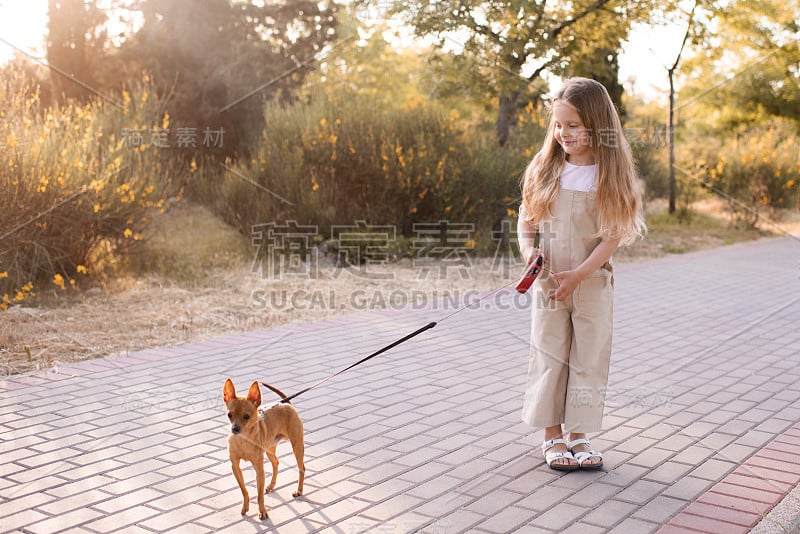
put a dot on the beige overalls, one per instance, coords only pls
(571, 339)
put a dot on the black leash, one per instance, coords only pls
(394, 344)
(376, 353)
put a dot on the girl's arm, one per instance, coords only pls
(526, 230)
(569, 280)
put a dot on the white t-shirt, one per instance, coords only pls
(579, 177)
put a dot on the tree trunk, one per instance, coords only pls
(506, 116)
(671, 140)
(671, 133)
(66, 49)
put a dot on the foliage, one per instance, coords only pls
(349, 156)
(651, 161)
(647, 136)
(75, 43)
(748, 69)
(517, 42)
(755, 171)
(367, 133)
(217, 59)
(73, 185)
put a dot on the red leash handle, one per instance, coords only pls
(531, 272)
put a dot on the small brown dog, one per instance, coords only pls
(252, 436)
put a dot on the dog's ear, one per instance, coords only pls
(254, 394)
(228, 391)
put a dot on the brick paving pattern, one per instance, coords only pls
(702, 418)
(739, 501)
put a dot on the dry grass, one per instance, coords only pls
(194, 282)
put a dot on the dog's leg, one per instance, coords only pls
(237, 472)
(299, 448)
(258, 464)
(273, 459)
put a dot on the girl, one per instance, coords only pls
(581, 197)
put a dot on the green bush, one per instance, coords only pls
(652, 162)
(346, 156)
(756, 171)
(73, 185)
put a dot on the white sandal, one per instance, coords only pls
(581, 457)
(549, 457)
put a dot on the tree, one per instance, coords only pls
(218, 60)
(739, 88)
(671, 124)
(519, 41)
(601, 64)
(74, 43)
(748, 68)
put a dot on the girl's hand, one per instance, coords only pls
(532, 254)
(528, 255)
(567, 282)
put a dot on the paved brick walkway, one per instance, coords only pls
(705, 373)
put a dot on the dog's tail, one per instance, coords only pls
(275, 390)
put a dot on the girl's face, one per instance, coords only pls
(571, 134)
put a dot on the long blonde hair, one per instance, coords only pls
(618, 191)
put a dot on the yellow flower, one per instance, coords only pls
(510, 212)
(193, 166)
(323, 122)
(82, 269)
(127, 233)
(165, 122)
(4, 274)
(72, 282)
(59, 281)
(96, 208)
(19, 297)
(97, 185)
(27, 287)
(11, 141)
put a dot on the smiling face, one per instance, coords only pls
(571, 134)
